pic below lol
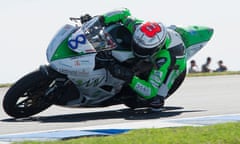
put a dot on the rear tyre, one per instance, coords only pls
(26, 97)
(177, 83)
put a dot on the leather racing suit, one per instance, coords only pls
(170, 61)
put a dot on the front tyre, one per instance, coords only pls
(26, 96)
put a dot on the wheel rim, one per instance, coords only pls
(32, 99)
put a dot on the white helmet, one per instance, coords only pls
(148, 38)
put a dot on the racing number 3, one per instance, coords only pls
(150, 28)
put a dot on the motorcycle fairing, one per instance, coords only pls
(94, 88)
(78, 43)
(66, 61)
(57, 49)
(78, 62)
(63, 59)
(195, 34)
(194, 38)
(71, 41)
(75, 66)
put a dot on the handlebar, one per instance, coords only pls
(77, 21)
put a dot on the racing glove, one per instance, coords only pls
(105, 60)
(119, 71)
(141, 69)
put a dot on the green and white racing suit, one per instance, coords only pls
(170, 61)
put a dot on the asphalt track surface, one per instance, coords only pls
(198, 96)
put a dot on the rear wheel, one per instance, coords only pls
(26, 96)
(177, 83)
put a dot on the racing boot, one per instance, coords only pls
(157, 103)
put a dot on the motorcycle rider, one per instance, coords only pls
(152, 44)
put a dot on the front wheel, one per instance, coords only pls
(26, 96)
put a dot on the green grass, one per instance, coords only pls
(5, 85)
(213, 73)
(228, 133)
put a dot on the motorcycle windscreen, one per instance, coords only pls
(91, 38)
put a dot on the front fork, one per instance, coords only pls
(57, 86)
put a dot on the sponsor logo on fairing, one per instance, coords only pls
(77, 63)
(73, 43)
(93, 82)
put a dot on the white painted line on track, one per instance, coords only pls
(59, 134)
(208, 120)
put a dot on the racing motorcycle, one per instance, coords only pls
(73, 78)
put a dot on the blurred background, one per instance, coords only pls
(27, 27)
